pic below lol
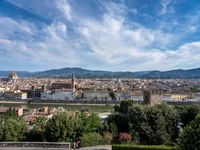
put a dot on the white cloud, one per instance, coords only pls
(64, 8)
(107, 43)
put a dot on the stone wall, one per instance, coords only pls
(36, 144)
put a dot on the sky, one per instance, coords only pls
(117, 35)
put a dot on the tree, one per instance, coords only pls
(11, 112)
(36, 134)
(12, 129)
(188, 113)
(155, 120)
(111, 93)
(172, 119)
(190, 137)
(125, 106)
(149, 124)
(63, 127)
(120, 120)
(91, 123)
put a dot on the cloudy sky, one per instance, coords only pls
(118, 35)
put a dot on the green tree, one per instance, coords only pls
(11, 112)
(188, 113)
(158, 134)
(63, 127)
(190, 137)
(12, 129)
(91, 123)
(120, 120)
(125, 106)
(149, 124)
(36, 134)
(172, 119)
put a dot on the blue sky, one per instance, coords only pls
(117, 35)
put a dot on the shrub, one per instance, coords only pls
(124, 137)
(141, 147)
(91, 139)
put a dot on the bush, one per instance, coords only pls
(141, 147)
(124, 137)
(91, 139)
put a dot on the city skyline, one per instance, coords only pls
(110, 35)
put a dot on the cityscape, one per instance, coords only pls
(99, 75)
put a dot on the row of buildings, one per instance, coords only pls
(92, 89)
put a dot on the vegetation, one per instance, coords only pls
(62, 127)
(129, 123)
(190, 137)
(142, 147)
(12, 129)
(91, 139)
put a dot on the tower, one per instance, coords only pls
(152, 97)
(73, 84)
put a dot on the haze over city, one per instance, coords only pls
(100, 35)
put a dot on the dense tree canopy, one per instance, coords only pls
(12, 129)
(190, 137)
(62, 127)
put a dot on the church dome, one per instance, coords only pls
(12, 75)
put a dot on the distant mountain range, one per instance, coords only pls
(83, 73)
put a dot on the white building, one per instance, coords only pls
(61, 94)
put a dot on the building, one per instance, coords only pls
(59, 94)
(15, 95)
(12, 76)
(152, 97)
(92, 94)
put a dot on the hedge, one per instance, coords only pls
(141, 147)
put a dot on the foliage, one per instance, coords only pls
(125, 106)
(141, 147)
(153, 124)
(91, 139)
(188, 113)
(111, 93)
(37, 133)
(190, 137)
(120, 121)
(90, 123)
(107, 138)
(172, 119)
(12, 129)
(124, 137)
(62, 127)
(11, 112)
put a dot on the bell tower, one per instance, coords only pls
(73, 80)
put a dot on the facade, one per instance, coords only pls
(152, 97)
(96, 95)
(15, 95)
(58, 94)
